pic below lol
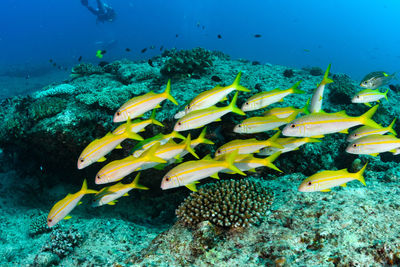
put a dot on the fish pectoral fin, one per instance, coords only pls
(318, 136)
(252, 170)
(142, 130)
(219, 119)
(112, 203)
(67, 217)
(343, 185)
(101, 159)
(80, 202)
(374, 154)
(326, 190)
(345, 131)
(192, 187)
(125, 195)
(215, 176)
(118, 147)
(223, 99)
(158, 106)
(367, 104)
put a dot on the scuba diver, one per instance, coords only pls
(103, 12)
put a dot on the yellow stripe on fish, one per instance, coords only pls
(190, 172)
(109, 195)
(63, 207)
(97, 149)
(316, 100)
(321, 123)
(199, 118)
(138, 125)
(289, 144)
(285, 112)
(369, 95)
(159, 138)
(248, 162)
(263, 99)
(373, 144)
(262, 124)
(325, 180)
(366, 130)
(247, 146)
(138, 105)
(118, 169)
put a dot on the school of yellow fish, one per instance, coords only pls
(234, 157)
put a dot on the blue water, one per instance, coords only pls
(355, 36)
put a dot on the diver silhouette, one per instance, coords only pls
(103, 12)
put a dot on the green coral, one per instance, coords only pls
(228, 203)
(186, 62)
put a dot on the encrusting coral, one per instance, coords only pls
(228, 203)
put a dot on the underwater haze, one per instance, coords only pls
(199, 133)
(356, 36)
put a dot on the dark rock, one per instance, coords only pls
(288, 73)
(216, 78)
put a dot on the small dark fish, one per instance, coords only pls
(144, 50)
(127, 49)
(219, 36)
(150, 62)
(54, 64)
(257, 35)
(161, 48)
(216, 78)
(103, 52)
(50, 60)
(80, 58)
(176, 35)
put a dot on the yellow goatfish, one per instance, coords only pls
(110, 194)
(366, 130)
(247, 146)
(211, 97)
(190, 172)
(199, 118)
(63, 207)
(286, 111)
(118, 169)
(316, 100)
(138, 125)
(263, 99)
(171, 150)
(289, 144)
(139, 105)
(159, 138)
(249, 163)
(325, 180)
(97, 149)
(369, 95)
(321, 123)
(262, 124)
(373, 144)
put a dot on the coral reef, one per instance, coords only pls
(288, 73)
(227, 203)
(63, 242)
(85, 69)
(186, 62)
(39, 225)
(316, 71)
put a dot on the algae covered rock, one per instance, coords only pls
(228, 203)
(186, 62)
(85, 69)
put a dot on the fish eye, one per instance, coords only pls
(354, 145)
(355, 134)
(218, 151)
(239, 125)
(246, 103)
(81, 159)
(98, 177)
(292, 125)
(358, 96)
(179, 123)
(118, 113)
(167, 178)
(309, 183)
(49, 220)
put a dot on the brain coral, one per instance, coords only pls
(228, 203)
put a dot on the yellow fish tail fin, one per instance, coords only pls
(188, 148)
(366, 118)
(272, 141)
(295, 90)
(167, 93)
(129, 133)
(306, 108)
(236, 84)
(202, 138)
(312, 140)
(390, 127)
(175, 134)
(232, 106)
(153, 119)
(149, 154)
(268, 161)
(359, 175)
(327, 80)
(230, 159)
(85, 190)
(385, 94)
(135, 183)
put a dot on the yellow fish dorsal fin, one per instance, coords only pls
(118, 146)
(345, 131)
(192, 187)
(102, 159)
(325, 190)
(374, 154)
(215, 176)
(67, 217)
(343, 185)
